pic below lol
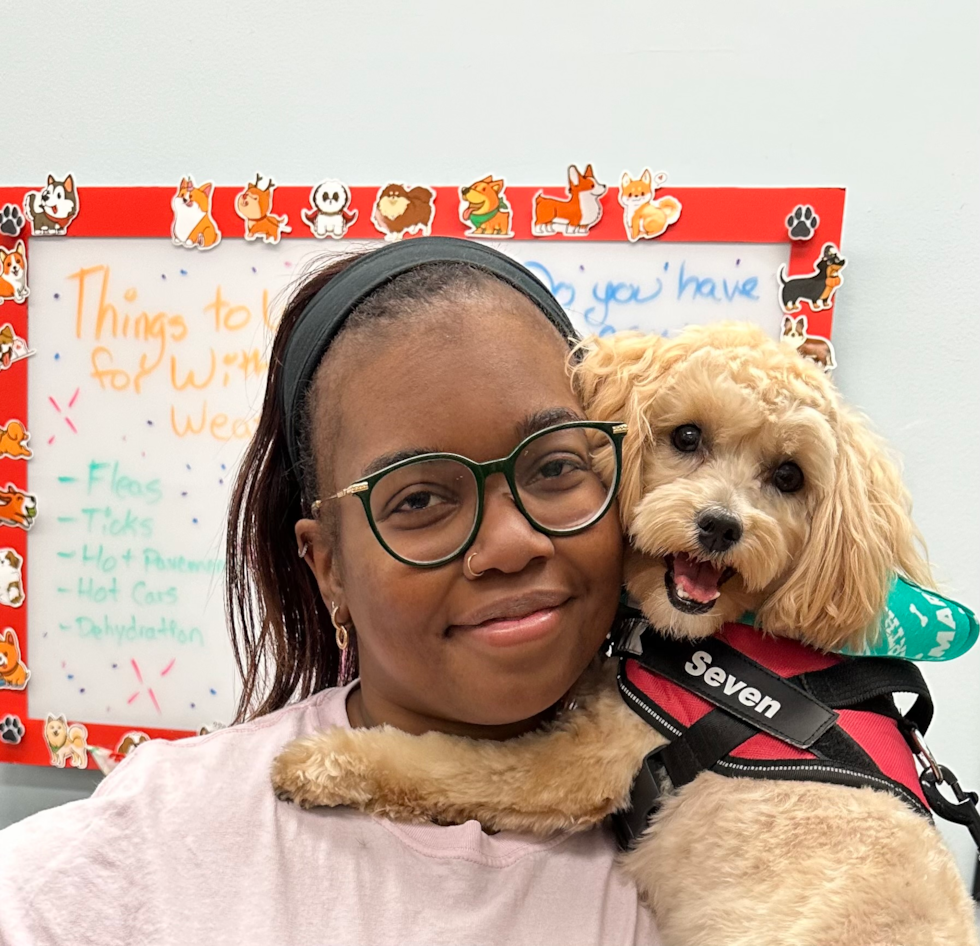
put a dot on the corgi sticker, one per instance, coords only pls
(17, 509)
(254, 206)
(193, 224)
(13, 672)
(52, 209)
(484, 210)
(67, 742)
(644, 216)
(575, 214)
(13, 274)
(816, 289)
(814, 347)
(329, 214)
(11, 730)
(11, 579)
(12, 347)
(399, 211)
(13, 441)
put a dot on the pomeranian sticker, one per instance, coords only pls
(400, 211)
(51, 210)
(644, 215)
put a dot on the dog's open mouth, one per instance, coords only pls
(693, 587)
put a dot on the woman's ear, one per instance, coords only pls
(860, 535)
(319, 555)
(613, 382)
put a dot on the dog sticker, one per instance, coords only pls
(17, 509)
(400, 211)
(11, 579)
(12, 347)
(67, 742)
(11, 220)
(576, 213)
(13, 441)
(484, 210)
(13, 274)
(11, 730)
(193, 225)
(329, 214)
(107, 759)
(818, 288)
(13, 673)
(814, 347)
(254, 206)
(645, 217)
(801, 223)
(52, 209)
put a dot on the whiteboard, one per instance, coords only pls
(145, 389)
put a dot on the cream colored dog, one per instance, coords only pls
(726, 422)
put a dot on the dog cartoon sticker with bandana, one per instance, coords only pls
(815, 347)
(193, 225)
(67, 742)
(643, 216)
(13, 673)
(329, 213)
(12, 347)
(11, 579)
(816, 289)
(577, 213)
(52, 209)
(17, 508)
(254, 206)
(484, 209)
(13, 274)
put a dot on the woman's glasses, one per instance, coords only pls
(427, 510)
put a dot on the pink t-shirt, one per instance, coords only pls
(185, 844)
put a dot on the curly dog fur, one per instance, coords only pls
(726, 860)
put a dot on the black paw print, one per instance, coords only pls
(802, 222)
(11, 220)
(11, 730)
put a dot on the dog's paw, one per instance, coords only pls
(11, 730)
(802, 222)
(11, 220)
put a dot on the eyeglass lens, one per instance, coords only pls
(425, 511)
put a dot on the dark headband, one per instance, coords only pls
(325, 313)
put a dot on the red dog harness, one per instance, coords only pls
(744, 704)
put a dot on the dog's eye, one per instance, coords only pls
(686, 438)
(788, 478)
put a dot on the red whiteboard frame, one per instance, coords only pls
(710, 215)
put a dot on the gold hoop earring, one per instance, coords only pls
(467, 567)
(341, 634)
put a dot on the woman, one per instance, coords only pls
(472, 596)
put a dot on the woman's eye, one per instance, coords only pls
(788, 478)
(553, 468)
(686, 438)
(414, 502)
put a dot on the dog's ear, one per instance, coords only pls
(861, 534)
(614, 382)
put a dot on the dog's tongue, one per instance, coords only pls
(5, 358)
(467, 211)
(698, 580)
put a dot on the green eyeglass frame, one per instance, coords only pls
(616, 431)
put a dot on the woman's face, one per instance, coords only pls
(472, 383)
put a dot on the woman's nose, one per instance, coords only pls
(506, 541)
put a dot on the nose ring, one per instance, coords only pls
(468, 568)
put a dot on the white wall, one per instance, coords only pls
(881, 97)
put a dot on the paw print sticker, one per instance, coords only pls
(11, 730)
(802, 222)
(11, 220)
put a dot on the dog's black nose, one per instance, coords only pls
(718, 531)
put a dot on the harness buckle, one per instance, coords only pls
(651, 784)
(963, 811)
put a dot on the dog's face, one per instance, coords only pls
(13, 263)
(832, 259)
(394, 201)
(483, 194)
(9, 655)
(747, 486)
(58, 198)
(330, 197)
(56, 731)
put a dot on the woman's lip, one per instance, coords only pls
(508, 632)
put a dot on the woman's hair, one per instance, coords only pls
(280, 626)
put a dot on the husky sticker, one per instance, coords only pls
(254, 206)
(193, 224)
(484, 209)
(13, 673)
(13, 274)
(576, 213)
(51, 210)
(11, 579)
(644, 216)
(329, 214)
